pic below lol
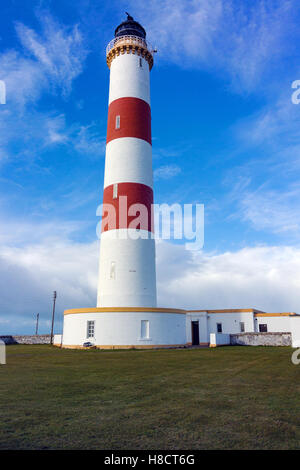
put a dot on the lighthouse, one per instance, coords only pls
(126, 314)
(127, 256)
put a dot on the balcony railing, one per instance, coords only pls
(129, 40)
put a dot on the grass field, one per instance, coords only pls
(223, 398)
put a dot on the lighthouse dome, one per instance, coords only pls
(130, 27)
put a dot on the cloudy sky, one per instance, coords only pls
(225, 134)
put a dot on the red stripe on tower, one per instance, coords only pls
(127, 205)
(129, 117)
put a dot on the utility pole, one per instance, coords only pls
(37, 323)
(53, 314)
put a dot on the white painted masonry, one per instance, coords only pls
(128, 159)
(128, 79)
(133, 283)
(295, 330)
(124, 328)
(127, 276)
(274, 324)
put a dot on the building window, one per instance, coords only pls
(90, 329)
(115, 191)
(112, 274)
(118, 122)
(141, 62)
(219, 327)
(145, 329)
(242, 327)
(263, 328)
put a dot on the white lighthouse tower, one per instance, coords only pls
(127, 257)
(126, 314)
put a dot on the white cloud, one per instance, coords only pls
(166, 172)
(273, 206)
(87, 140)
(243, 40)
(265, 186)
(58, 50)
(263, 277)
(23, 77)
(276, 124)
(19, 233)
(38, 131)
(277, 211)
(28, 275)
(56, 129)
(50, 61)
(84, 139)
(267, 278)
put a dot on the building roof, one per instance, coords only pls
(279, 314)
(257, 313)
(228, 310)
(130, 27)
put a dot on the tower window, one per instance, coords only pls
(118, 122)
(112, 274)
(219, 327)
(145, 329)
(141, 62)
(90, 331)
(242, 327)
(115, 191)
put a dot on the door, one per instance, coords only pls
(195, 332)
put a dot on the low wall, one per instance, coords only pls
(261, 339)
(26, 339)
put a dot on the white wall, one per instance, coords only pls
(208, 323)
(274, 324)
(230, 322)
(128, 79)
(124, 328)
(134, 280)
(203, 333)
(128, 159)
(295, 330)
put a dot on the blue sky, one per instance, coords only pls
(225, 133)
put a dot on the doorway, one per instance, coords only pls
(195, 333)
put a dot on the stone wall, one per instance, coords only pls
(261, 339)
(26, 339)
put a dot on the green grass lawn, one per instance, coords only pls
(222, 398)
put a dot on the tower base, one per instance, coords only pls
(124, 328)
